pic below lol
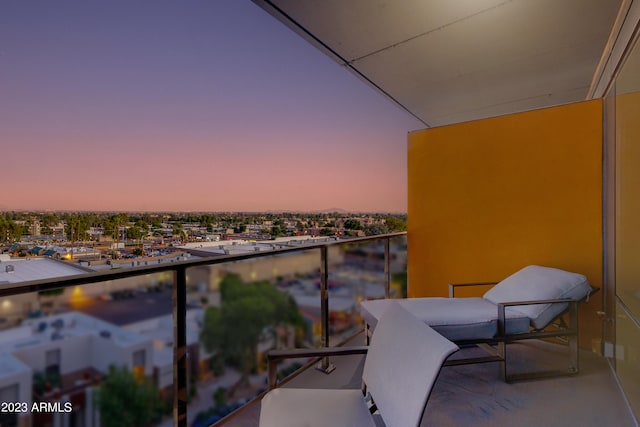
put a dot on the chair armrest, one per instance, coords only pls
(453, 286)
(502, 307)
(274, 356)
(550, 301)
(292, 353)
(538, 301)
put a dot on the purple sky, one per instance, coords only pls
(186, 106)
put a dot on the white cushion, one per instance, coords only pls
(404, 359)
(293, 407)
(402, 364)
(539, 283)
(454, 318)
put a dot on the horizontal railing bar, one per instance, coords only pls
(102, 276)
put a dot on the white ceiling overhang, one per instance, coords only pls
(448, 61)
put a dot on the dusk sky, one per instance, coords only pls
(186, 106)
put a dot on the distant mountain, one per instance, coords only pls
(331, 210)
(320, 211)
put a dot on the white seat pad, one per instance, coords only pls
(454, 318)
(295, 407)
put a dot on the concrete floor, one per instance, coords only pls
(475, 395)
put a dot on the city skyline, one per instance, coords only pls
(205, 107)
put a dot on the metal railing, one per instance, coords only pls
(179, 297)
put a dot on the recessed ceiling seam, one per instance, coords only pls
(433, 30)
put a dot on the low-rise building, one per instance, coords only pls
(58, 358)
(15, 270)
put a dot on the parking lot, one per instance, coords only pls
(125, 307)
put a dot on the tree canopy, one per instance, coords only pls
(233, 330)
(395, 224)
(352, 224)
(9, 230)
(126, 401)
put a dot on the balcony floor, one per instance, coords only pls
(476, 395)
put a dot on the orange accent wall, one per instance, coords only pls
(491, 196)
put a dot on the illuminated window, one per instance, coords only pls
(139, 360)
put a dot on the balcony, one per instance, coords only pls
(476, 395)
(150, 320)
(65, 339)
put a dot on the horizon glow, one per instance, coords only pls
(203, 107)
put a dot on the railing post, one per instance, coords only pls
(180, 347)
(325, 366)
(387, 269)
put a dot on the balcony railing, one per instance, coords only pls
(328, 266)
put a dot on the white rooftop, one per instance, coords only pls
(140, 262)
(11, 365)
(231, 247)
(26, 269)
(40, 331)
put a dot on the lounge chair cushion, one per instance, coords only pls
(401, 367)
(454, 318)
(314, 408)
(539, 283)
(403, 362)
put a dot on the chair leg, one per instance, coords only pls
(573, 339)
(502, 352)
(573, 354)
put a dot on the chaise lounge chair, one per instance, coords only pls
(528, 304)
(402, 364)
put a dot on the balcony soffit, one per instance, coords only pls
(451, 61)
